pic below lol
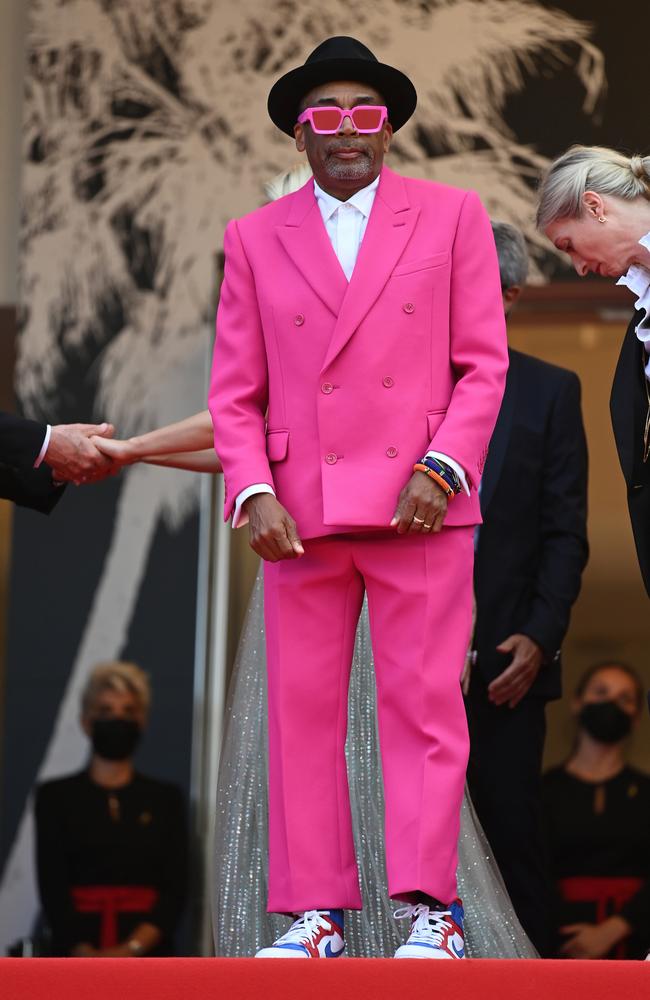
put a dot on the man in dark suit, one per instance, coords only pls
(37, 459)
(630, 411)
(530, 553)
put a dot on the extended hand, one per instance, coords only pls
(422, 506)
(119, 451)
(272, 530)
(594, 940)
(515, 681)
(72, 456)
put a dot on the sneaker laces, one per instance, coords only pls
(425, 921)
(305, 927)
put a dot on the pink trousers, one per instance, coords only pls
(420, 603)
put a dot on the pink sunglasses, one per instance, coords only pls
(328, 120)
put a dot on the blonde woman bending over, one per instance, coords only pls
(594, 205)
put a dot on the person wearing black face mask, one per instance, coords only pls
(111, 843)
(597, 811)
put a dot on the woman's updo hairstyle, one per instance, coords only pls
(589, 168)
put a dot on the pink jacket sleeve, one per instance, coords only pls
(239, 381)
(478, 344)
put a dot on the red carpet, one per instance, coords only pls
(346, 979)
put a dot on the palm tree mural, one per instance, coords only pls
(145, 132)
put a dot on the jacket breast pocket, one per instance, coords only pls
(277, 445)
(421, 264)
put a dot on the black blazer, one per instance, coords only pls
(629, 404)
(20, 443)
(532, 546)
(20, 440)
(30, 488)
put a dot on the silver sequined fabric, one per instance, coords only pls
(241, 923)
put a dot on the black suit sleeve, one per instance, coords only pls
(563, 525)
(20, 440)
(30, 488)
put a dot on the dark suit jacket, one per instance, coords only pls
(532, 546)
(20, 440)
(20, 443)
(629, 404)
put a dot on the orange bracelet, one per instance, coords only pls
(436, 478)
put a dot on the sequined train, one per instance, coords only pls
(241, 923)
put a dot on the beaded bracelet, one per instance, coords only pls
(448, 474)
(436, 478)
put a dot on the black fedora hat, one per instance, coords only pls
(341, 58)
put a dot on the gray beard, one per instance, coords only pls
(349, 170)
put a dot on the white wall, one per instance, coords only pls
(13, 19)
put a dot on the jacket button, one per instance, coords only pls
(299, 319)
(331, 459)
(327, 387)
(408, 307)
(391, 452)
(388, 382)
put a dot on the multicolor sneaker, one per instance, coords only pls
(435, 933)
(315, 934)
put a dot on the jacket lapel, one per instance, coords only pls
(389, 229)
(305, 239)
(500, 437)
(628, 404)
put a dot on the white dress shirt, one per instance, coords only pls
(637, 280)
(44, 447)
(345, 222)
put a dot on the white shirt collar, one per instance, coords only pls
(362, 200)
(637, 278)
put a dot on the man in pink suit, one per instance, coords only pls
(358, 371)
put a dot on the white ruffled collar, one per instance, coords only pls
(637, 278)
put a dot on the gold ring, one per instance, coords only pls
(418, 520)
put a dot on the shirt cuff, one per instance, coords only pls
(458, 469)
(240, 517)
(46, 444)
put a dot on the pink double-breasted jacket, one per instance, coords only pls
(329, 391)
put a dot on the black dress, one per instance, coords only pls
(128, 845)
(599, 843)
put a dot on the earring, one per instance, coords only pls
(601, 218)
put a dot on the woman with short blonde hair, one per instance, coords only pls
(111, 842)
(120, 676)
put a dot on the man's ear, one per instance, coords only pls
(510, 296)
(299, 133)
(388, 135)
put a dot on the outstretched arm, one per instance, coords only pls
(193, 461)
(187, 444)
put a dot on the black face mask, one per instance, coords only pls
(115, 739)
(605, 721)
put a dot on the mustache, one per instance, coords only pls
(347, 144)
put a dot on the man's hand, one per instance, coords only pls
(422, 506)
(594, 940)
(72, 456)
(516, 680)
(272, 530)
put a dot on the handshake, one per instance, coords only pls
(84, 453)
